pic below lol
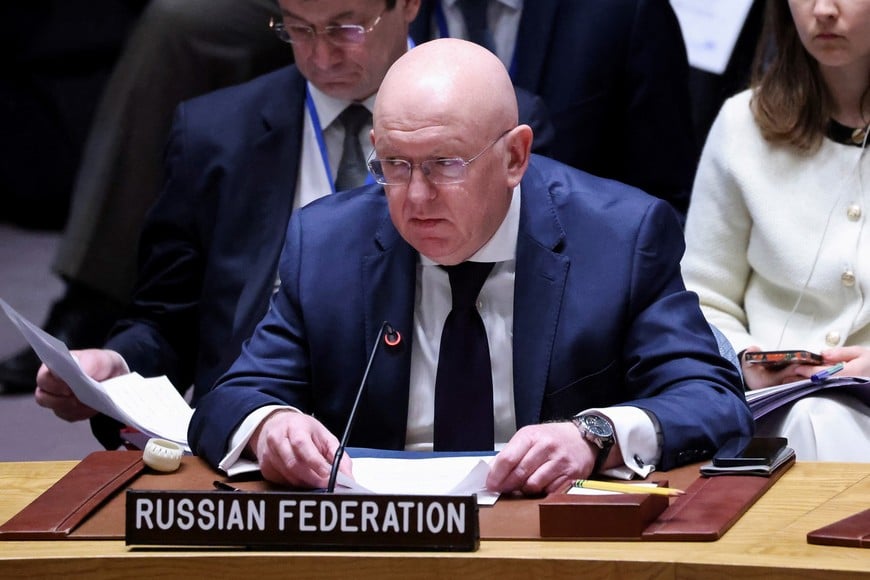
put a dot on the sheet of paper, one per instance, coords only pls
(432, 476)
(152, 406)
(55, 355)
(710, 30)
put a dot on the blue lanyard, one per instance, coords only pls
(321, 143)
(441, 23)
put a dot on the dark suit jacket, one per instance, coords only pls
(601, 317)
(210, 246)
(614, 77)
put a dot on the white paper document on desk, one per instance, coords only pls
(152, 406)
(459, 475)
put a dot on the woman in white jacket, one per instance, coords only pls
(778, 247)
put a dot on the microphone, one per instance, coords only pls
(392, 338)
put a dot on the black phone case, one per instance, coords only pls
(754, 451)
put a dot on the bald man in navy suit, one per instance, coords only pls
(584, 308)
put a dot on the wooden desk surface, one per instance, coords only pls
(768, 542)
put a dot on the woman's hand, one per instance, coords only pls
(756, 376)
(856, 358)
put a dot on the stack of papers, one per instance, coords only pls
(763, 401)
(454, 475)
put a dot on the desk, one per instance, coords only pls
(769, 542)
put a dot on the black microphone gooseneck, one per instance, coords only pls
(391, 338)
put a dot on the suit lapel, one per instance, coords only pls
(278, 146)
(541, 274)
(280, 143)
(389, 286)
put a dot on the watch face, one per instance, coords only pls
(598, 425)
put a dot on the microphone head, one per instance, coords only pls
(392, 337)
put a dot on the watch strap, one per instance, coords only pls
(604, 444)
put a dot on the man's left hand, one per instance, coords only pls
(541, 459)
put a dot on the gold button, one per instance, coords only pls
(858, 135)
(853, 212)
(848, 278)
(832, 338)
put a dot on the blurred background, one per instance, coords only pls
(27, 431)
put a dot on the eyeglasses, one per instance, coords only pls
(441, 171)
(338, 34)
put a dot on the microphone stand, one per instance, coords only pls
(339, 452)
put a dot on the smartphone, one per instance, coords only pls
(749, 451)
(781, 358)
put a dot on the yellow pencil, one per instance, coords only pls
(626, 487)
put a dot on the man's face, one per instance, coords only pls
(351, 72)
(447, 223)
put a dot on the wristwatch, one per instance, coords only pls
(597, 430)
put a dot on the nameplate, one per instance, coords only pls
(298, 521)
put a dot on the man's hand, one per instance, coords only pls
(541, 459)
(53, 393)
(295, 448)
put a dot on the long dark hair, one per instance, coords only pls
(790, 101)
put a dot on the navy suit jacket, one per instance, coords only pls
(601, 317)
(614, 77)
(209, 248)
(210, 245)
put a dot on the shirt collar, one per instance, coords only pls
(329, 108)
(502, 246)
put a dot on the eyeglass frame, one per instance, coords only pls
(281, 31)
(464, 165)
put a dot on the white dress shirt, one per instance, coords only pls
(313, 181)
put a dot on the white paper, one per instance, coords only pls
(429, 476)
(710, 30)
(152, 406)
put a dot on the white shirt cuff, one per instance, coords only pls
(638, 441)
(232, 460)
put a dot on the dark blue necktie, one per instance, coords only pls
(352, 171)
(463, 385)
(474, 14)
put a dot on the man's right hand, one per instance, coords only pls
(295, 448)
(53, 393)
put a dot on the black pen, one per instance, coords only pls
(225, 486)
